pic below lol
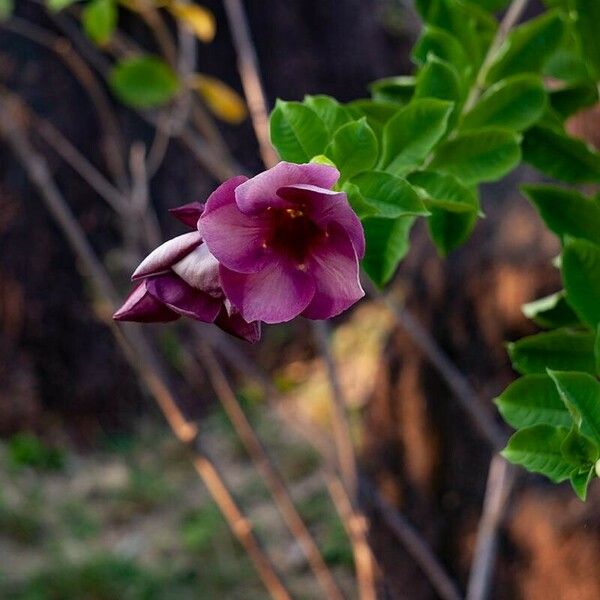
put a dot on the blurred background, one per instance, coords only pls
(98, 499)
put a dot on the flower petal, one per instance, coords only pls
(141, 307)
(235, 325)
(162, 258)
(224, 194)
(326, 207)
(334, 266)
(200, 269)
(235, 239)
(188, 214)
(184, 299)
(278, 293)
(260, 192)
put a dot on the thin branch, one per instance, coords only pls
(136, 348)
(454, 379)
(340, 423)
(222, 167)
(511, 18)
(342, 434)
(250, 77)
(357, 530)
(501, 479)
(79, 163)
(269, 473)
(140, 196)
(414, 544)
(111, 142)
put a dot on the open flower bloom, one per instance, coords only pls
(181, 278)
(287, 244)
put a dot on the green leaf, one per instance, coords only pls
(566, 212)
(493, 5)
(453, 207)
(586, 25)
(443, 45)
(581, 275)
(387, 244)
(533, 400)
(562, 349)
(580, 482)
(438, 79)
(56, 5)
(515, 103)
(411, 134)
(551, 312)
(377, 113)
(391, 196)
(566, 64)
(99, 19)
(538, 449)
(143, 81)
(359, 205)
(560, 156)
(579, 449)
(473, 27)
(476, 156)
(398, 90)
(528, 47)
(444, 192)
(574, 97)
(330, 111)
(581, 394)
(354, 148)
(297, 132)
(6, 9)
(597, 351)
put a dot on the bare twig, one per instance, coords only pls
(342, 433)
(136, 349)
(455, 380)
(340, 423)
(501, 479)
(112, 145)
(269, 473)
(357, 529)
(511, 17)
(140, 196)
(78, 162)
(250, 76)
(414, 544)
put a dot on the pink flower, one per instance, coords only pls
(287, 244)
(181, 278)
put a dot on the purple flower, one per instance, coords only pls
(181, 278)
(287, 244)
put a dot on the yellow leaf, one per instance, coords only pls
(224, 102)
(199, 19)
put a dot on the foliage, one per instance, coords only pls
(146, 81)
(477, 106)
(27, 450)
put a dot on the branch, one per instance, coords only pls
(455, 380)
(501, 479)
(250, 77)
(419, 550)
(269, 473)
(111, 142)
(414, 544)
(137, 350)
